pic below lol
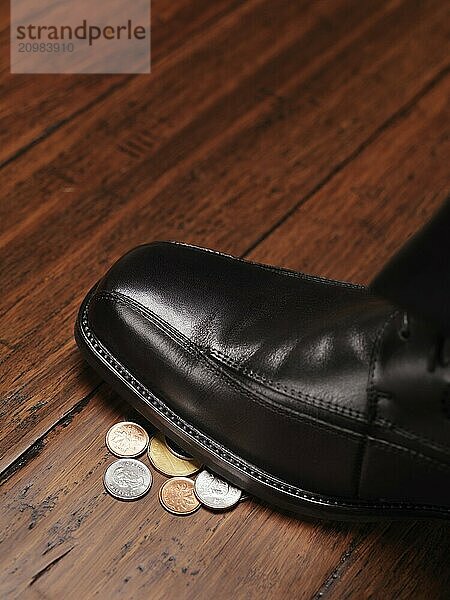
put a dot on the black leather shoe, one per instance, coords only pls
(312, 394)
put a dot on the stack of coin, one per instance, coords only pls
(127, 478)
(130, 479)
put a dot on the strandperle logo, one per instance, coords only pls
(82, 36)
(84, 31)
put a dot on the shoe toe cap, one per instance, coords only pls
(161, 278)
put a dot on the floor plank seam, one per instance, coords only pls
(401, 113)
(342, 565)
(52, 128)
(47, 567)
(98, 99)
(37, 446)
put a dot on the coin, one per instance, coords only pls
(214, 492)
(127, 479)
(167, 463)
(176, 449)
(177, 496)
(127, 439)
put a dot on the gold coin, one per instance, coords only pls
(127, 439)
(177, 496)
(167, 463)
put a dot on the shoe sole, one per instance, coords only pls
(219, 459)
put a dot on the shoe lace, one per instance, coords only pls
(440, 350)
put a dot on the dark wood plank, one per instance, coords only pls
(33, 106)
(62, 532)
(362, 216)
(368, 186)
(402, 560)
(246, 136)
(92, 207)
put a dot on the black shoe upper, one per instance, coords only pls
(314, 381)
(417, 276)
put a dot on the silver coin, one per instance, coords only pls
(214, 492)
(127, 479)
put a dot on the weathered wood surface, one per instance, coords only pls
(310, 135)
(246, 121)
(52, 100)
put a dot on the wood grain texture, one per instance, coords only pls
(163, 205)
(358, 219)
(310, 135)
(180, 153)
(53, 508)
(35, 106)
(400, 560)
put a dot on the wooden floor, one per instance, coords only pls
(312, 135)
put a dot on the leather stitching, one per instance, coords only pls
(196, 352)
(283, 411)
(225, 454)
(325, 404)
(407, 433)
(372, 402)
(328, 404)
(395, 449)
(309, 398)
